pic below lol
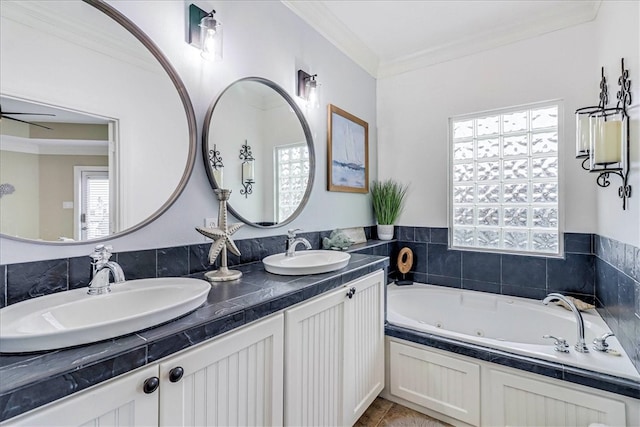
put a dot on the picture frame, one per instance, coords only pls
(347, 152)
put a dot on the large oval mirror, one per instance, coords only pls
(97, 135)
(257, 143)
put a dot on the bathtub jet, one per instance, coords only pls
(581, 345)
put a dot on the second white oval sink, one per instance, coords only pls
(306, 262)
(73, 318)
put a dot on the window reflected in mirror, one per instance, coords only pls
(260, 133)
(292, 176)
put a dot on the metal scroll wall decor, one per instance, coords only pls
(602, 135)
(215, 161)
(248, 178)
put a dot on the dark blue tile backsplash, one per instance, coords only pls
(596, 269)
(517, 275)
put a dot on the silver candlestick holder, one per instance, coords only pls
(222, 242)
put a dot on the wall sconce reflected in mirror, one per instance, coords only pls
(215, 160)
(308, 89)
(607, 130)
(205, 33)
(248, 177)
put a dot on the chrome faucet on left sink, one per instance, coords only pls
(101, 269)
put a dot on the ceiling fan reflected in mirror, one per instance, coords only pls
(8, 114)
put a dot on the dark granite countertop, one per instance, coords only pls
(28, 381)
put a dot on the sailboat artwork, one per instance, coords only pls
(348, 152)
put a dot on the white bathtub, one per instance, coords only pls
(512, 324)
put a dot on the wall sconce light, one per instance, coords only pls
(608, 135)
(205, 33)
(308, 89)
(248, 178)
(215, 160)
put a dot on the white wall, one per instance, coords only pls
(261, 38)
(618, 29)
(413, 112)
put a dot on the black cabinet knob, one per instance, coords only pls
(176, 374)
(150, 385)
(351, 292)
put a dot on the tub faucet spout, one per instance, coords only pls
(581, 345)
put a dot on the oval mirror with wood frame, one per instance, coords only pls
(98, 134)
(257, 143)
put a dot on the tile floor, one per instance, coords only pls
(383, 413)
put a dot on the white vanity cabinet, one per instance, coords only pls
(120, 402)
(235, 380)
(334, 354)
(333, 370)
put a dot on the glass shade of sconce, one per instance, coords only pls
(308, 89)
(608, 140)
(583, 130)
(205, 33)
(211, 37)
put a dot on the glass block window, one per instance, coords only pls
(504, 175)
(292, 175)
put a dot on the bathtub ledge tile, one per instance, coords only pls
(600, 381)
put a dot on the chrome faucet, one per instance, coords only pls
(581, 345)
(293, 241)
(101, 267)
(600, 343)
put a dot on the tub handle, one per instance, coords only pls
(351, 292)
(560, 343)
(600, 344)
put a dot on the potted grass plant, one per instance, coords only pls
(388, 199)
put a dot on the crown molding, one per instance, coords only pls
(490, 40)
(325, 22)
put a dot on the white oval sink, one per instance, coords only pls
(72, 318)
(306, 262)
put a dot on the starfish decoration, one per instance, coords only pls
(221, 237)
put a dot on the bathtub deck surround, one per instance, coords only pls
(595, 269)
(510, 324)
(483, 390)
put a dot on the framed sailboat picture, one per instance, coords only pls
(348, 152)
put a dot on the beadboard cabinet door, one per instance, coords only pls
(236, 380)
(120, 402)
(522, 401)
(334, 354)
